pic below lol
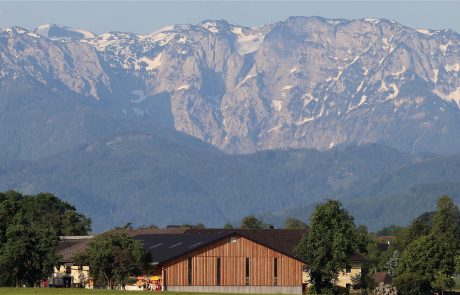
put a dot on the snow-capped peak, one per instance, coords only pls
(14, 29)
(53, 31)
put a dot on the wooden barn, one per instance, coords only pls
(219, 260)
(236, 261)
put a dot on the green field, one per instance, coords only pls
(53, 291)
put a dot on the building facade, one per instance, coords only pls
(67, 274)
(213, 260)
(234, 264)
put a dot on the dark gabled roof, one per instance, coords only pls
(165, 247)
(381, 277)
(358, 257)
(283, 241)
(68, 247)
(155, 231)
(167, 244)
(386, 238)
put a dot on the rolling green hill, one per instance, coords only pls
(170, 178)
(394, 197)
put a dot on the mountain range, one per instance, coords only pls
(208, 122)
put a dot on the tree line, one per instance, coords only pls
(423, 256)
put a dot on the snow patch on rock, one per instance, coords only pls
(372, 20)
(435, 75)
(249, 76)
(424, 31)
(152, 64)
(452, 68)
(247, 43)
(183, 87)
(277, 104)
(162, 38)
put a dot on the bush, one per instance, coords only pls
(412, 284)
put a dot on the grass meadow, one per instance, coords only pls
(75, 291)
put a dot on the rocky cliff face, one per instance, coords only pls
(303, 82)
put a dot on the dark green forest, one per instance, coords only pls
(169, 178)
(30, 227)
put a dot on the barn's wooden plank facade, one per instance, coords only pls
(242, 263)
(220, 260)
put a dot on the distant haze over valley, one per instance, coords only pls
(209, 122)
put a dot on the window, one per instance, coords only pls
(218, 272)
(247, 271)
(348, 270)
(189, 271)
(275, 271)
(233, 239)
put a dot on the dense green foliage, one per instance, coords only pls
(253, 222)
(432, 254)
(364, 281)
(391, 230)
(294, 223)
(412, 284)
(113, 257)
(29, 231)
(329, 245)
(424, 256)
(421, 258)
(228, 226)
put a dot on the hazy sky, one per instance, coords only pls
(147, 16)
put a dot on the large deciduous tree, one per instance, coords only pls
(113, 257)
(329, 245)
(252, 222)
(29, 231)
(431, 257)
(294, 223)
(412, 284)
(28, 256)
